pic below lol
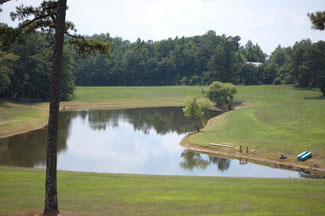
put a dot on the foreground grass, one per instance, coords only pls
(278, 120)
(22, 191)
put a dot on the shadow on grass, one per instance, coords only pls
(305, 89)
(238, 103)
(4, 104)
(315, 98)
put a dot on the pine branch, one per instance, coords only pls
(317, 19)
(86, 47)
(44, 19)
(25, 24)
(4, 1)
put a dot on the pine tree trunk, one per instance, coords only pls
(51, 196)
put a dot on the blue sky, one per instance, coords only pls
(268, 23)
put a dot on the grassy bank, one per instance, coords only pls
(18, 117)
(277, 120)
(22, 191)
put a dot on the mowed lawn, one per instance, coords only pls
(22, 193)
(19, 117)
(136, 93)
(131, 97)
(277, 120)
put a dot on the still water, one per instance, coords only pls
(137, 141)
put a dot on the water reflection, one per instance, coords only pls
(193, 160)
(29, 149)
(242, 161)
(306, 174)
(141, 141)
(222, 163)
(163, 120)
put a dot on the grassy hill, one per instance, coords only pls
(276, 120)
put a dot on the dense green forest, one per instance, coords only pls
(199, 60)
(25, 69)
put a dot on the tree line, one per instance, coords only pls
(25, 68)
(197, 60)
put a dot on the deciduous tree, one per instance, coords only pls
(6, 69)
(315, 64)
(193, 110)
(221, 94)
(227, 62)
(318, 74)
(297, 66)
(253, 52)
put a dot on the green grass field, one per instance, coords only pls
(130, 97)
(102, 94)
(278, 120)
(22, 193)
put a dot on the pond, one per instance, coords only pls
(135, 141)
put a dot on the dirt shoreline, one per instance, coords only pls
(25, 131)
(252, 158)
(249, 157)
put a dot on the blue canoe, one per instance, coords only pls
(304, 155)
(301, 154)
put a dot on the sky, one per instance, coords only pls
(266, 22)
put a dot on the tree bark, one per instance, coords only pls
(51, 195)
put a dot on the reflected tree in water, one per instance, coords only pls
(163, 119)
(101, 119)
(223, 163)
(193, 160)
(307, 174)
(28, 149)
